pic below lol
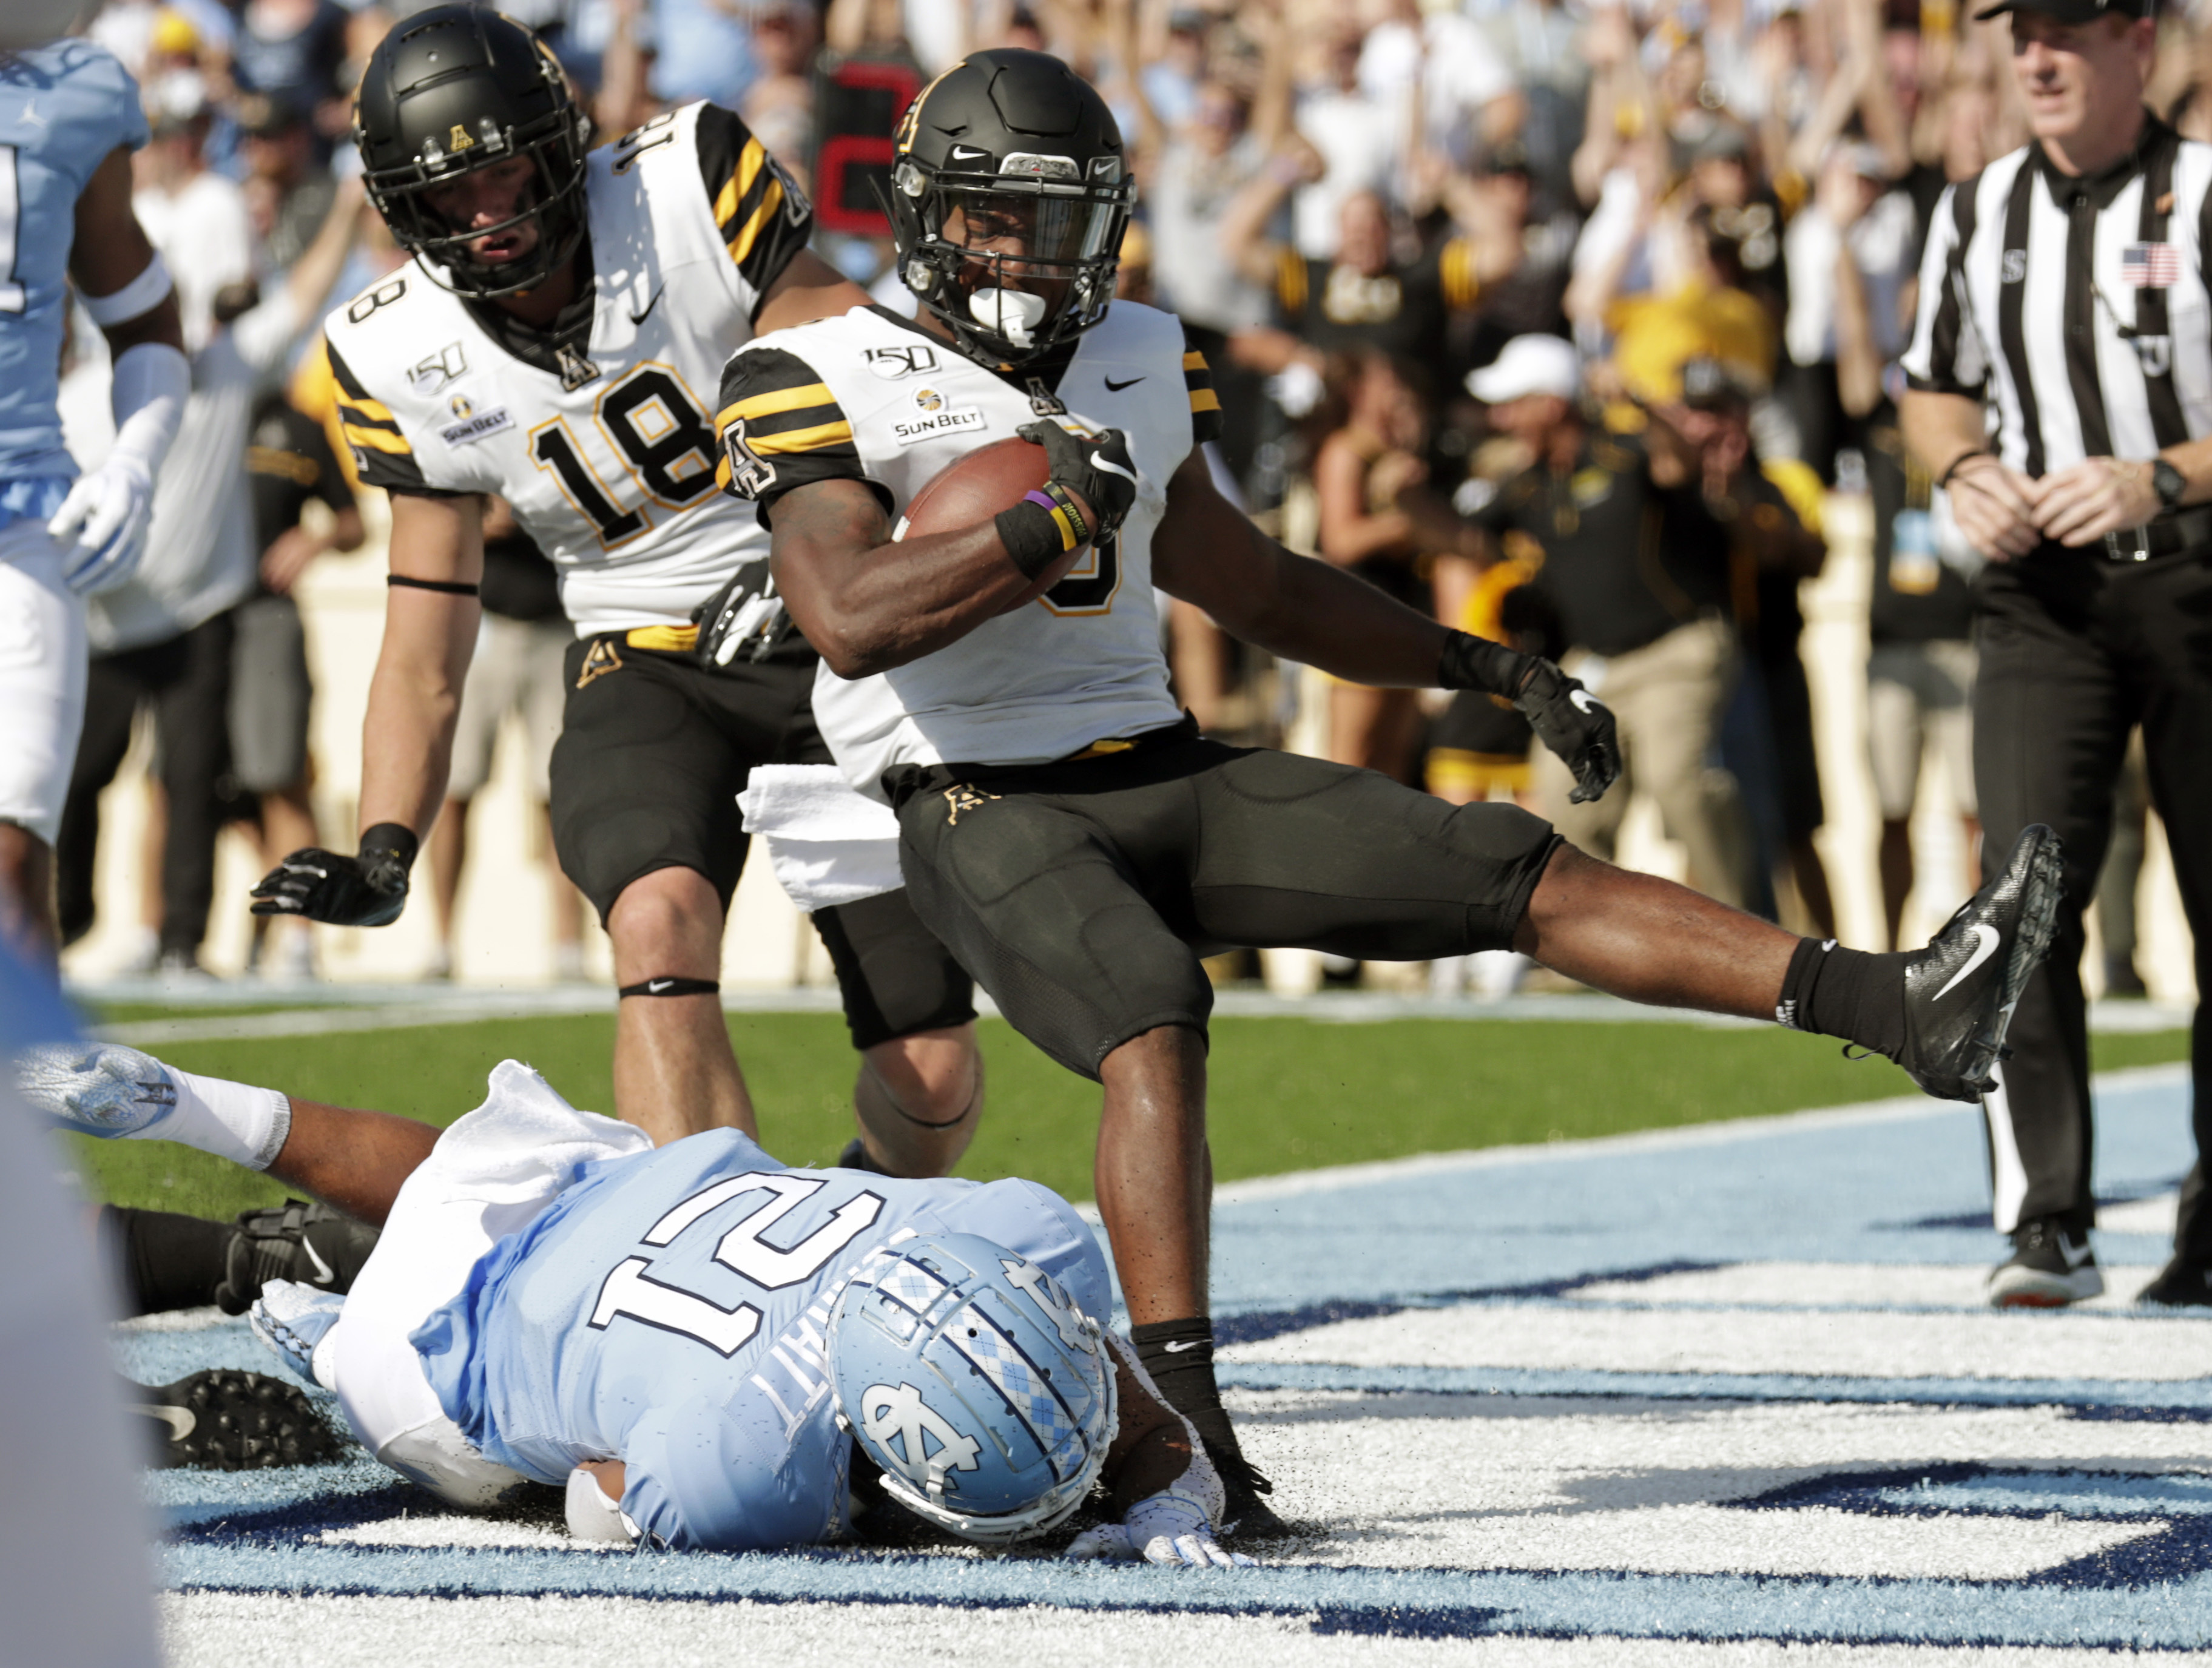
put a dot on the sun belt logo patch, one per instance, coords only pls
(903, 1429)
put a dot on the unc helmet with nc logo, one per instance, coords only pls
(971, 1378)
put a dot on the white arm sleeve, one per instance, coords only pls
(152, 382)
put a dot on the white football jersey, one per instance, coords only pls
(870, 396)
(603, 441)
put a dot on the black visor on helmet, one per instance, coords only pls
(454, 91)
(1008, 200)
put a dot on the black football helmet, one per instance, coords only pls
(454, 89)
(1028, 152)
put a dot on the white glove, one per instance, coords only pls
(102, 523)
(1168, 1528)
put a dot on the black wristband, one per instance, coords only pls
(1040, 529)
(452, 587)
(386, 854)
(1473, 662)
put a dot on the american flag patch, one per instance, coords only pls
(2150, 265)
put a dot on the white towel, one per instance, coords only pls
(827, 844)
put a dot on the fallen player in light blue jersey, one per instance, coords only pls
(690, 1338)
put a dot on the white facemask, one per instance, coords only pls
(1010, 313)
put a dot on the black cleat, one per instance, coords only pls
(2183, 1284)
(1959, 992)
(224, 1421)
(2048, 1268)
(309, 1244)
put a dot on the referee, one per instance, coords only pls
(2061, 388)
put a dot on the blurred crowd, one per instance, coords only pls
(1575, 324)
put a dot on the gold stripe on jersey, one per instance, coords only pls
(1193, 361)
(741, 225)
(367, 432)
(1205, 403)
(1205, 400)
(1456, 272)
(756, 406)
(800, 440)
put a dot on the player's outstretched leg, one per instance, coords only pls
(1940, 1012)
(353, 1160)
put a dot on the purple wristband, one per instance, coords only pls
(1039, 496)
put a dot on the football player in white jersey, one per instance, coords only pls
(1077, 844)
(68, 120)
(555, 341)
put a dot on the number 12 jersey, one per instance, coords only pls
(670, 1310)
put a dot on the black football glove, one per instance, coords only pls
(1566, 717)
(365, 890)
(1097, 470)
(742, 621)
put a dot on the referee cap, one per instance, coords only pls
(2070, 11)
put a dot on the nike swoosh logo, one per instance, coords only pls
(1113, 387)
(656, 986)
(179, 1420)
(2074, 1259)
(1580, 700)
(1177, 1348)
(325, 1274)
(1986, 947)
(640, 318)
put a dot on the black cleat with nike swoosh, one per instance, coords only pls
(310, 1244)
(1959, 992)
(225, 1420)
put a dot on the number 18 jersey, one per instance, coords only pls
(669, 1310)
(600, 434)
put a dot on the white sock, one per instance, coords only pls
(232, 1121)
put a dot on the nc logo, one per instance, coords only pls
(899, 1416)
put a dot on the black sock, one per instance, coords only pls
(1849, 993)
(1178, 1355)
(167, 1261)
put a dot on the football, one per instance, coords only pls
(970, 491)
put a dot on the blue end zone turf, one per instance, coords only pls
(1728, 1384)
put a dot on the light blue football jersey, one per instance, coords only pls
(62, 109)
(669, 1310)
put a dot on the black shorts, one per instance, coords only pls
(654, 749)
(1083, 895)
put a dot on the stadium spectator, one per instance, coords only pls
(516, 672)
(289, 463)
(1374, 431)
(288, 191)
(1635, 567)
(1851, 253)
(164, 638)
(1920, 661)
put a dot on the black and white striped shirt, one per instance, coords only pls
(2077, 308)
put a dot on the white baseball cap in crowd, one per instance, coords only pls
(1528, 365)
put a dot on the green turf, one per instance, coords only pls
(1286, 1094)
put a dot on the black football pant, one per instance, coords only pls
(2075, 651)
(187, 682)
(1082, 894)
